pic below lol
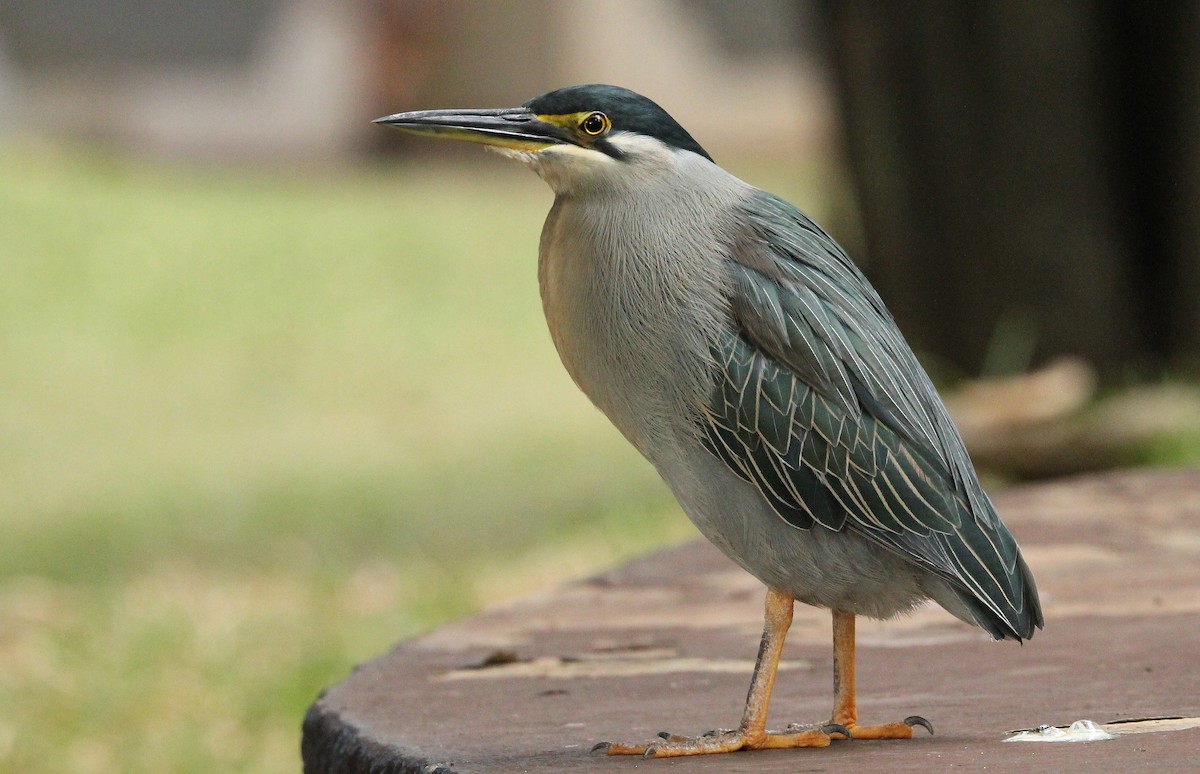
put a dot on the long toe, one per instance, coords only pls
(808, 737)
(900, 730)
(672, 746)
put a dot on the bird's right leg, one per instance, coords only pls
(845, 712)
(752, 734)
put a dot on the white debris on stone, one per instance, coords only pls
(1079, 731)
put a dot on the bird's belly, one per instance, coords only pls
(840, 570)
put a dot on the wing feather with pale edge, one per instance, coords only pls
(824, 408)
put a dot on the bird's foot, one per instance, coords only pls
(900, 730)
(725, 740)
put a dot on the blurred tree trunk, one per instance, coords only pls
(1028, 175)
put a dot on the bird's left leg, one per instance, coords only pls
(753, 733)
(845, 710)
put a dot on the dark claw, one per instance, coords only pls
(601, 746)
(650, 751)
(838, 728)
(917, 720)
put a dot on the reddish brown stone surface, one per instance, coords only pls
(667, 642)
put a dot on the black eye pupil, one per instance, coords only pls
(594, 124)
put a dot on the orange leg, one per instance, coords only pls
(752, 734)
(845, 709)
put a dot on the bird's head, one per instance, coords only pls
(573, 137)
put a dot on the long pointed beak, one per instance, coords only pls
(514, 128)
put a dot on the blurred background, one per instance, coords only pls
(275, 390)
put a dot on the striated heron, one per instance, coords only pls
(734, 343)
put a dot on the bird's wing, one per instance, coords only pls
(823, 406)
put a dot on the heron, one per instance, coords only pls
(735, 344)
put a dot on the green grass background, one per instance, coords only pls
(257, 425)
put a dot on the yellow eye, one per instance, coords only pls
(595, 124)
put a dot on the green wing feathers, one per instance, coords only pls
(822, 406)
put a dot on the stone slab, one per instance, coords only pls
(667, 642)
